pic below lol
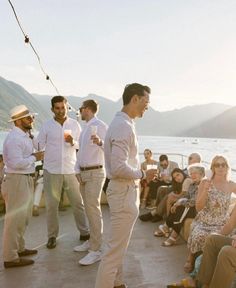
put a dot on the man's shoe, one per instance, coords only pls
(52, 243)
(35, 211)
(62, 208)
(82, 248)
(21, 262)
(27, 252)
(121, 286)
(84, 237)
(156, 218)
(90, 258)
(146, 217)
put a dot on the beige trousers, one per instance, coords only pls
(17, 191)
(91, 192)
(123, 199)
(53, 184)
(218, 266)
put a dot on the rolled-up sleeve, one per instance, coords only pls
(120, 151)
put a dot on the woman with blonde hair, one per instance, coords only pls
(212, 205)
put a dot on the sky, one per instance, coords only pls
(184, 50)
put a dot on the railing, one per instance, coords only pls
(182, 160)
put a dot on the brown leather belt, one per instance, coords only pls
(91, 168)
(30, 174)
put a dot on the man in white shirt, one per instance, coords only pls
(122, 167)
(59, 136)
(91, 176)
(17, 187)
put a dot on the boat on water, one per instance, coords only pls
(147, 263)
(195, 141)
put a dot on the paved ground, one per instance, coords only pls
(147, 265)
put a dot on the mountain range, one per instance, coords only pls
(208, 120)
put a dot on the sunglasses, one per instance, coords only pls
(218, 165)
(81, 108)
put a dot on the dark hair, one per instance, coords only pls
(163, 157)
(134, 89)
(57, 99)
(177, 187)
(91, 104)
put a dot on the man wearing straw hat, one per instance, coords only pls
(17, 186)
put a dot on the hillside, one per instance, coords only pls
(170, 123)
(188, 121)
(222, 126)
(12, 94)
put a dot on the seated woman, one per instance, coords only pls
(212, 205)
(218, 265)
(144, 187)
(180, 186)
(184, 207)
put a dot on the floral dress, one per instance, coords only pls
(210, 219)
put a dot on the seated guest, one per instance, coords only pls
(218, 265)
(165, 169)
(212, 205)
(180, 185)
(192, 159)
(148, 161)
(184, 207)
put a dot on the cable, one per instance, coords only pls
(27, 41)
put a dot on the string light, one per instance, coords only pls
(27, 41)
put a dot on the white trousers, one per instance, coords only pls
(17, 191)
(123, 199)
(53, 184)
(91, 192)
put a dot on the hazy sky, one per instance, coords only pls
(185, 50)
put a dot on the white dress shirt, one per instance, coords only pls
(17, 152)
(59, 156)
(121, 149)
(91, 154)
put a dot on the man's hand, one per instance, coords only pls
(69, 139)
(96, 140)
(38, 155)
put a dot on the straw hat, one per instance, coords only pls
(19, 112)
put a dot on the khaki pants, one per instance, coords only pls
(17, 191)
(53, 184)
(123, 199)
(218, 266)
(91, 192)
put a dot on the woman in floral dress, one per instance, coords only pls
(212, 205)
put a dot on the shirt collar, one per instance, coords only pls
(125, 116)
(91, 121)
(19, 131)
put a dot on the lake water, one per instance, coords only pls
(207, 147)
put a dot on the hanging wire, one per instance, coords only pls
(27, 41)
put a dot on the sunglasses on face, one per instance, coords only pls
(81, 108)
(218, 165)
